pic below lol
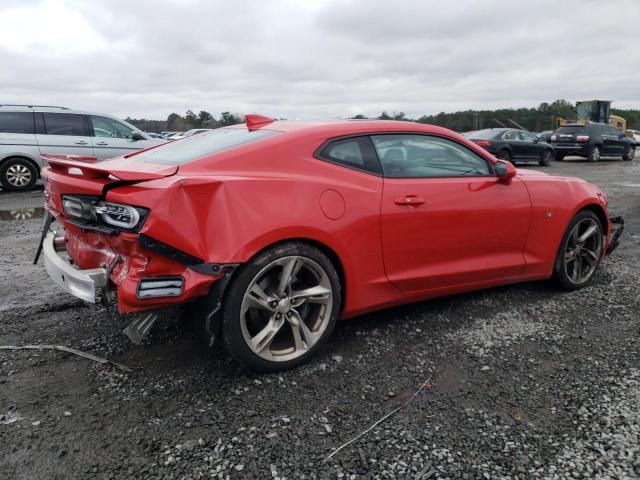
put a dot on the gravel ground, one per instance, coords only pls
(525, 382)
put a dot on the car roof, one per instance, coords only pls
(331, 128)
(51, 109)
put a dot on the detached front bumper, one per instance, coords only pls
(617, 227)
(84, 284)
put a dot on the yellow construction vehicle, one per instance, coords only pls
(598, 111)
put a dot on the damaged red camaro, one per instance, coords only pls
(273, 230)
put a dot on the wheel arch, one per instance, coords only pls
(330, 251)
(22, 157)
(599, 211)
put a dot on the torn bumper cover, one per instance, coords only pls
(84, 284)
(617, 227)
(86, 263)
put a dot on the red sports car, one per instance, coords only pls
(272, 230)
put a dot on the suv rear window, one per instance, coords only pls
(16, 122)
(198, 146)
(572, 129)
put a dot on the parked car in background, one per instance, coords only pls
(513, 145)
(592, 141)
(189, 133)
(155, 135)
(28, 131)
(545, 135)
(339, 218)
(168, 134)
(636, 136)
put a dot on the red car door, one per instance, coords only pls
(445, 217)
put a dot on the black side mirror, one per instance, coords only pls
(501, 170)
(137, 136)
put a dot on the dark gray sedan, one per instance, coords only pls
(513, 145)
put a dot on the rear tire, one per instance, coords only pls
(505, 155)
(629, 153)
(545, 160)
(594, 154)
(281, 307)
(18, 174)
(559, 156)
(580, 251)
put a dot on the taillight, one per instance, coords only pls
(91, 211)
(483, 143)
(582, 138)
(553, 138)
(122, 216)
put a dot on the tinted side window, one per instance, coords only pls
(354, 152)
(64, 124)
(16, 122)
(512, 135)
(424, 156)
(527, 137)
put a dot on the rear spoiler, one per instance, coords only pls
(89, 168)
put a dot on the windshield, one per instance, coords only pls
(198, 146)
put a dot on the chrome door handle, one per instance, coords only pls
(81, 142)
(409, 200)
(102, 143)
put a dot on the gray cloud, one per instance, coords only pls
(322, 58)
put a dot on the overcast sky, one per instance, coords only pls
(317, 58)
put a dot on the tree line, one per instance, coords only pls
(181, 123)
(534, 119)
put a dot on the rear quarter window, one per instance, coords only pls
(202, 145)
(16, 122)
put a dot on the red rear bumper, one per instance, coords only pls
(127, 264)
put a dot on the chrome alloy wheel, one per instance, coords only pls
(18, 175)
(286, 308)
(583, 251)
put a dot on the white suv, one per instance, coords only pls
(27, 131)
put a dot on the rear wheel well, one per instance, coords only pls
(330, 253)
(31, 161)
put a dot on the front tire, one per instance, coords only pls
(594, 154)
(580, 250)
(18, 175)
(629, 153)
(545, 160)
(281, 307)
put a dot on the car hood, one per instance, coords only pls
(525, 172)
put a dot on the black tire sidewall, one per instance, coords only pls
(505, 155)
(18, 161)
(558, 270)
(234, 294)
(629, 153)
(546, 158)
